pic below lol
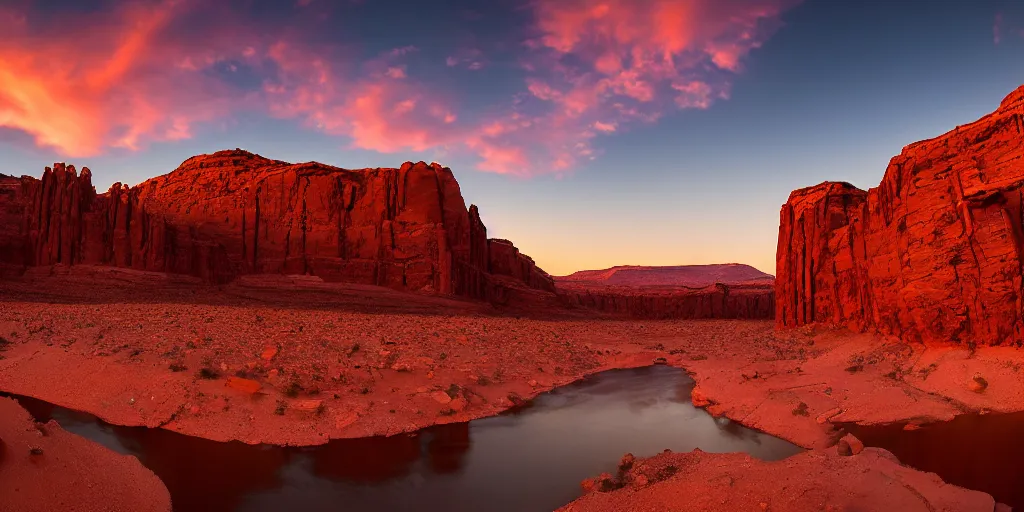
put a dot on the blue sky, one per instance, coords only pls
(653, 132)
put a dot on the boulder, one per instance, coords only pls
(849, 445)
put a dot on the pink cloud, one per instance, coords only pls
(471, 58)
(598, 68)
(117, 90)
(396, 72)
(589, 70)
(1003, 29)
(376, 111)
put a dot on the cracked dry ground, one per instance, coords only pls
(295, 361)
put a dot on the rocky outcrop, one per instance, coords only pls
(234, 213)
(506, 260)
(933, 254)
(715, 301)
(13, 204)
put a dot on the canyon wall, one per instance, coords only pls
(933, 254)
(715, 301)
(231, 213)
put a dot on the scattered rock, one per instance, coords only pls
(458, 404)
(827, 415)
(268, 353)
(308, 406)
(849, 445)
(698, 398)
(441, 397)
(244, 385)
(601, 483)
(977, 383)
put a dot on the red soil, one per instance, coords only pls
(818, 480)
(45, 469)
(131, 348)
(933, 254)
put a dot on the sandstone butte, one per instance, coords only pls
(933, 254)
(685, 291)
(233, 213)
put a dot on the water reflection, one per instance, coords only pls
(530, 459)
(977, 452)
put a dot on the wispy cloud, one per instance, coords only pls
(587, 72)
(601, 67)
(117, 80)
(997, 28)
(377, 111)
(471, 58)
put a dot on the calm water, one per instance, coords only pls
(984, 453)
(533, 459)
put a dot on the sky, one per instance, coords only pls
(591, 133)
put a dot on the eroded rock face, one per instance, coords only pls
(506, 260)
(13, 203)
(716, 301)
(232, 213)
(933, 254)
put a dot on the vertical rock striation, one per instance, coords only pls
(232, 213)
(933, 254)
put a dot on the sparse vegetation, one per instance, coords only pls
(293, 389)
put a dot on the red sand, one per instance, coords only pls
(45, 469)
(135, 352)
(817, 480)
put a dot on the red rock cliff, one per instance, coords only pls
(659, 302)
(231, 213)
(934, 253)
(506, 260)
